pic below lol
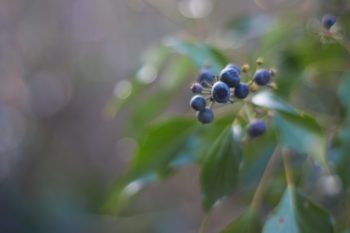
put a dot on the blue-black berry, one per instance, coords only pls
(257, 128)
(328, 21)
(205, 115)
(197, 88)
(235, 67)
(241, 91)
(198, 102)
(262, 77)
(230, 76)
(206, 77)
(220, 92)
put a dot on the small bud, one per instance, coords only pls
(273, 72)
(245, 68)
(253, 87)
(272, 85)
(259, 61)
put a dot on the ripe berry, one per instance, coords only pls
(241, 91)
(256, 128)
(197, 88)
(206, 77)
(328, 21)
(233, 66)
(220, 92)
(230, 76)
(198, 102)
(262, 77)
(205, 115)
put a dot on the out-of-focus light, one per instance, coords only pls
(49, 93)
(132, 188)
(147, 74)
(195, 8)
(123, 89)
(330, 185)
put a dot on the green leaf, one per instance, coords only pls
(343, 147)
(268, 100)
(296, 214)
(301, 133)
(343, 94)
(248, 222)
(202, 54)
(219, 172)
(165, 146)
(161, 145)
(153, 105)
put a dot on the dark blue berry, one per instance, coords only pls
(205, 115)
(256, 128)
(206, 77)
(197, 88)
(230, 76)
(262, 77)
(233, 66)
(220, 92)
(198, 102)
(241, 91)
(328, 21)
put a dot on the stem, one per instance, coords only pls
(256, 201)
(204, 223)
(287, 168)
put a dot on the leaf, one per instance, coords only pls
(301, 133)
(343, 147)
(165, 146)
(153, 105)
(161, 144)
(268, 100)
(219, 172)
(296, 214)
(248, 222)
(202, 54)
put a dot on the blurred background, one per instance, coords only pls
(62, 147)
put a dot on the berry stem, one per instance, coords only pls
(275, 157)
(247, 113)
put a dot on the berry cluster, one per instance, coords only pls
(226, 87)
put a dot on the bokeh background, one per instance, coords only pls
(61, 147)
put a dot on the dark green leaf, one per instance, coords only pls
(343, 147)
(248, 222)
(219, 172)
(165, 146)
(296, 214)
(301, 133)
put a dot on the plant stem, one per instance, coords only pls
(204, 223)
(256, 201)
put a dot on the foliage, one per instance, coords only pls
(305, 117)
